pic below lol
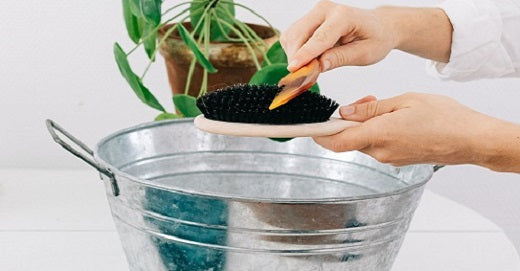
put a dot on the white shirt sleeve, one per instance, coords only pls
(485, 40)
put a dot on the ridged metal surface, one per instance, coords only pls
(195, 201)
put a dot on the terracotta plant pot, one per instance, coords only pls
(233, 61)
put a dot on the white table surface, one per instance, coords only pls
(60, 220)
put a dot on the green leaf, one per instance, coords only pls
(196, 12)
(150, 42)
(132, 26)
(151, 11)
(222, 12)
(271, 74)
(167, 116)
(133, 80)
(190, 42)
(187, 105)
(135, 7)
(275, 54)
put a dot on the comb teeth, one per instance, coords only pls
(250, 104)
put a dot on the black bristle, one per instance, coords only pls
(250, 104)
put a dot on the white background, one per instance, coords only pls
(56, 62)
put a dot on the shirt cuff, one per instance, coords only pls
(476, 49)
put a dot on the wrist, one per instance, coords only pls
(425, 32)
(497, 146)
(389, 18)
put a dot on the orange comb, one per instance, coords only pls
(296, 83)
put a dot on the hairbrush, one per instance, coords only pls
(243, 110)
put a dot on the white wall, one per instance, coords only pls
(56, 62)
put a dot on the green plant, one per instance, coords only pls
(211, 20)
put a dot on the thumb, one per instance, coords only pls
(370, 109)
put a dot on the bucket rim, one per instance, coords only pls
(328, 200)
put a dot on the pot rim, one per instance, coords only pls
(176, 36)
(329, 200)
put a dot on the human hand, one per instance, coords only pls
(342, 35)
(347, 36)
(424, 128)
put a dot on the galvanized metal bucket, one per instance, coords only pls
(183, 199)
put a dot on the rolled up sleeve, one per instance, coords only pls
(485, 40)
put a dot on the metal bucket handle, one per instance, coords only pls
(53, 127)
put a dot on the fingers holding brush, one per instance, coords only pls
(416, 128)
(384, 129)
(369, 107)
(350, 139)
